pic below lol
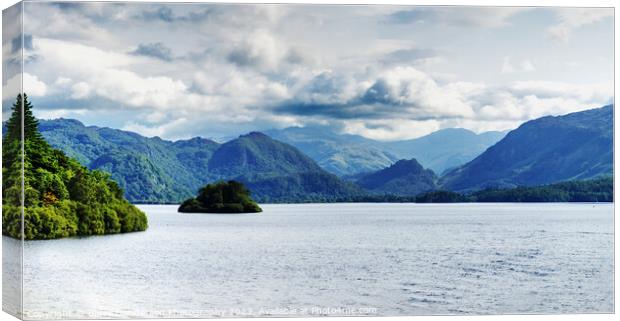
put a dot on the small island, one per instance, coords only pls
(221, 197)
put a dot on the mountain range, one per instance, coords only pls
(160, 171)
(300, 167)
(349, 155)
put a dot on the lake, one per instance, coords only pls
(329, 259)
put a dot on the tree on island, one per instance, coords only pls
(61, 197)
(221, 197)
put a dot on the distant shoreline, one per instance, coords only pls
(362, 202)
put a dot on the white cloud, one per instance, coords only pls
(421, 94)
(260, 49)
(80, 90)
(234, 68)
(492, 17)
(32, 85)
(523, 66)
(397, 102)
(231, 93)
(521, 101)
(403, 102)
(60, 113)
(152, 131)
(386, 130)
(106, 74)
(156, 117)
(586, 93)
(573, 18)
(62, 81)
(50, 20)
(527, 65)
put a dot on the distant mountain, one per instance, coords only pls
(275, 171)
(404, 178)
(157, 170)
(340, 154)
(349, 155)
(550, 149)
(445, 148)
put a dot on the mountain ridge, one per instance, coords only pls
(546, 150)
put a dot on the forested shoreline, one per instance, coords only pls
(61, 197)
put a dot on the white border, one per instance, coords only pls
(566, 3)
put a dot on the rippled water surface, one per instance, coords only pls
(332, 259)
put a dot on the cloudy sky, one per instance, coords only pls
(384, 72)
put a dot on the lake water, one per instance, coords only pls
(331, 259)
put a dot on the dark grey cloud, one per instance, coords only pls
(156, 50)
(297, 56)
(325, 84)
(163, 13)
(354, 109)
(320, 97)
(374, 103)
(332, 111)
(16, 43)
(359, 108)
(378, 93)
(16, 46)
(251, 54)
(394, 95)
(244, 57)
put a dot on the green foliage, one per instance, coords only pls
(441, 197)
(305, 187)
(258, 153)
(595, 190)
(61, 197)
(221, 197)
